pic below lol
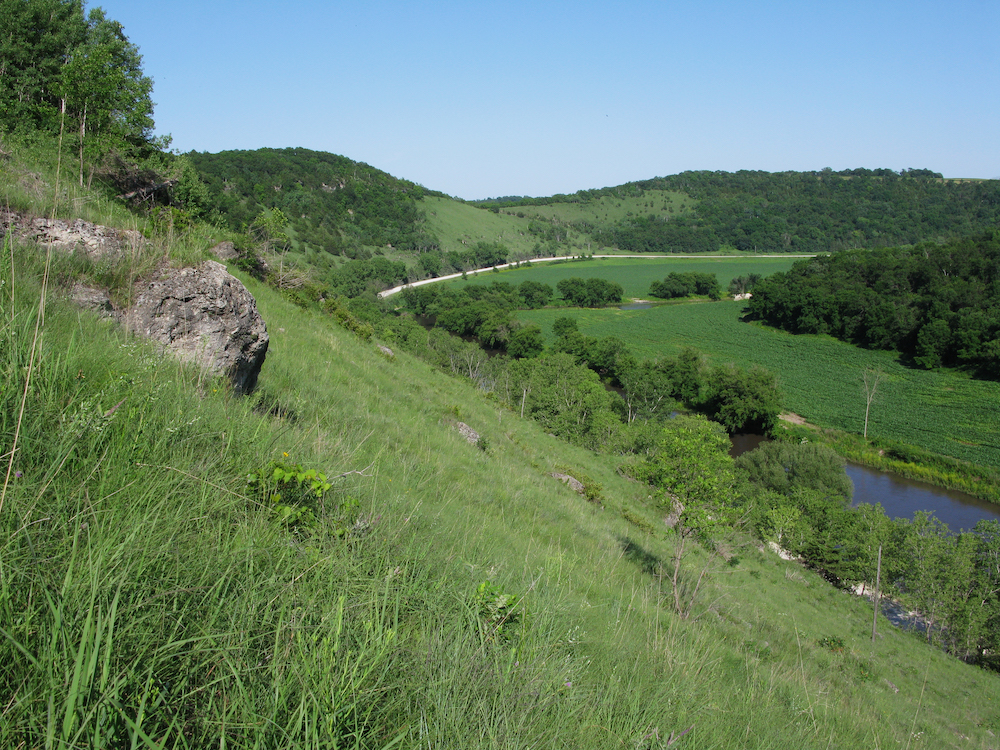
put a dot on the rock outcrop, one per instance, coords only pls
(206, 316)
(574, 484)
(96, 241)
(467, 432)
(202, 315)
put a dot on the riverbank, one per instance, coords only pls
(900, 458)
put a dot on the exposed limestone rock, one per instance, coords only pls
(96, 241)
(574, 484)
(467, 432)
(386, 351)
(206, 316)
(225, 251)
(92, 298)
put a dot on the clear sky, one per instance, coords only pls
(535, 98)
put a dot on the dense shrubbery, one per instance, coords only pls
(937, 304)
(592, 292)
(685, 284)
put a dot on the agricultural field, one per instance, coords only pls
(636, 274)
(944, 412)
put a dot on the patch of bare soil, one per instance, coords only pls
(794, 418)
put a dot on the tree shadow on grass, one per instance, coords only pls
(639, 556)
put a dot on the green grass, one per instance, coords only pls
(150, 597)
(607, 210)
(944, 412)
(635, 274)
(459, 226)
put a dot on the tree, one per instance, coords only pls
(743, 400)
(688, 375)
(36, 39)
(526, 342)
(269, 229)
(535, 294)
(648, 388)
(691, 462)
(871, 379)
(104, 90)
(785, 468)
(593, 292)
(563, 325)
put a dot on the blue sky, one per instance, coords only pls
(536, 98)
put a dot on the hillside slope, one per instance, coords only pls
(439, 593)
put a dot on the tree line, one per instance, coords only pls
(800, 212)
(936, 304)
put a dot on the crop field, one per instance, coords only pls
(944, 412)
(636, 274)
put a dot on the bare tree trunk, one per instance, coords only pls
(871, 378)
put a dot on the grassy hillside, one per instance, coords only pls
(439, 594)
(458, 225)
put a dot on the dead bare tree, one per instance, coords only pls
(871, 378)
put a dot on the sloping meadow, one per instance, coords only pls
(330, 563)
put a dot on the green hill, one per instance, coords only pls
(339, 209)
(155, 592)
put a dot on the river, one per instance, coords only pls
(902, 497)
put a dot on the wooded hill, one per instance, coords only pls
(803, 212)
(341, 206)
(332, 202)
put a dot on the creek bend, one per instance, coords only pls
(901, 497)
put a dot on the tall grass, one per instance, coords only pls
(151, 597)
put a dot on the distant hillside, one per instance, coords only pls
(774, 212)
(333, 203)
(339, 209)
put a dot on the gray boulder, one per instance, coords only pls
(96, 241)
(206, 316)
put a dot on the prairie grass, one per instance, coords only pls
(151, 597)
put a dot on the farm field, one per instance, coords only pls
(636, 274)
(943, 412)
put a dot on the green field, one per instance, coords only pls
(944, 412)
(636, 274)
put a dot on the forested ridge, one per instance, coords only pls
(801, 212)
(332, 203)
(937, 304)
